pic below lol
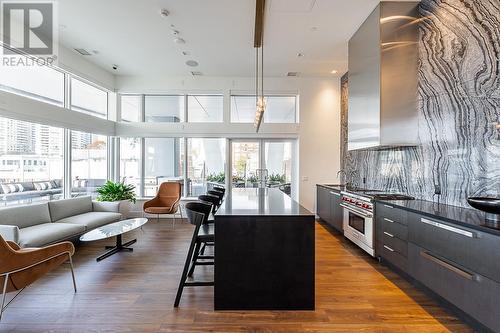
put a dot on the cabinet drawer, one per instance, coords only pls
(391, 255)
(474, 294)
(391, 213)
(469, 248)
(395, 244)
(398, 230)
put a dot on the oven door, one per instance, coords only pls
(358, 225)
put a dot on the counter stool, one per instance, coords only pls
(197, 214)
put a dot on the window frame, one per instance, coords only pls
(296, 113)
(89, 112)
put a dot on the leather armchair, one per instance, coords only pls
(21, 267)
(166, 201)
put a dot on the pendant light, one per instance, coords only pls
(260, 102)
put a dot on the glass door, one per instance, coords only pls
(264, 163)
(279, 164)
(245, 163)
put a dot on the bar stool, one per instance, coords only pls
(219, 188)
(213, 199)
(218, 194)
(197, 214)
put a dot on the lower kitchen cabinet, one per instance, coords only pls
(472, 293)
(459, 264)
(336, 211)
(328, 207)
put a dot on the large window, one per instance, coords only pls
(88, 162)
(130, 162)
(164, 108)
(31, 162)
(206, 159)
(279, 109)
(39, 82)
(205, 108)
(131, 108)
(164, 163)
(88, 99)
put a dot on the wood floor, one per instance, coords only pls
(134, 292)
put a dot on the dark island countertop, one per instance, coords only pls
(466, 217)
(260, 202)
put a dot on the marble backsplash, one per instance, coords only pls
(458, 105)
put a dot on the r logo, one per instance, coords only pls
(28, 27)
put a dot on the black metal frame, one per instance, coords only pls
(117, 248)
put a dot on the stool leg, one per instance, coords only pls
(185, 272)
(195, 258)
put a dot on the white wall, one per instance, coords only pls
(318, 131)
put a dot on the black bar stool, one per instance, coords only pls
(210, 198)
(197, 214)
(218, 194)
(219, 188)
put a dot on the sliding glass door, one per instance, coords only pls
(263, 163)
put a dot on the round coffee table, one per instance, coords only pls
(116, 229)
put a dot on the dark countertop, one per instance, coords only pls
(260, 202)
(333, 187)
(466, 217)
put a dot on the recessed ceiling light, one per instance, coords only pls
(164, 12)
(192, 63)
(314, 28)
(300, 54)
(185, 53)
(179, 40)
(175, 32)
(334, 71)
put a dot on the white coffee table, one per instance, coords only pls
(116, 229)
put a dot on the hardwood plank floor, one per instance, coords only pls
(134, 292)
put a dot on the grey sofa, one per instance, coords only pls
(30, 191)
(42, 224)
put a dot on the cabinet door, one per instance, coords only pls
(323, 203)
(336, 211)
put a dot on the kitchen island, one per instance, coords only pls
(264, 252)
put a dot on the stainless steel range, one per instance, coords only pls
(359, 216)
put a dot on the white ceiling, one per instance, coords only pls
(218, 35)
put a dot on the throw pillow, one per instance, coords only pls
(49, 185)
(13, 188)
(20, 188)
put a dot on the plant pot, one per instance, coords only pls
(124, 207)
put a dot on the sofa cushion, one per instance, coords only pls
(92, 220)
(61, 209)
(43, 234)
(26, 215)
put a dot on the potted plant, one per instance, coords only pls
(253, 180)
(118, 191)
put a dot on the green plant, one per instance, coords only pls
(277, 178)
(217, 177)
(253, 179)
(118, 191)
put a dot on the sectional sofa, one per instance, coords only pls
(51, 222)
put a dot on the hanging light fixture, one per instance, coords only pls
(260, 102)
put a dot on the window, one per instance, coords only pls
(42, 83)
(131, 108)
(278, 162)
(164, 162)
(88, 163)
(206, 160)
(204, 108)
(279, 109)
(88, 99)
(130, 162)
(164, 109)
(31, 162)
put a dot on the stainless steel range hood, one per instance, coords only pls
(383, 62)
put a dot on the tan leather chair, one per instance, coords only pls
(21, 267)
(166, 201)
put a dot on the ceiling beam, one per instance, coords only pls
(260, 6)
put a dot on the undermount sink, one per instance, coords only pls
(487, 204)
